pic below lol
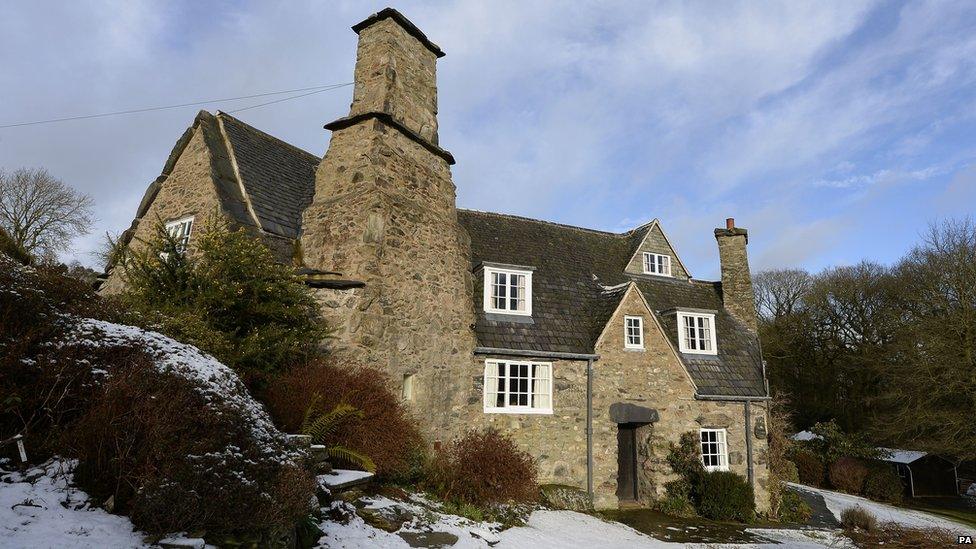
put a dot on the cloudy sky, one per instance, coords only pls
(834, 132)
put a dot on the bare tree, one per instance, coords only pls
(780, 291)
(932, 391)
(41, 214)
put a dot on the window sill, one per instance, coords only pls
(507, 313)
(634, 349)
(717, 468)
(702, 353)
(658, 274)
(508, 317)
(532, 411)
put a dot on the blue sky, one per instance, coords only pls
(835, 132)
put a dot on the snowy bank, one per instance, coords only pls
(39, 508)
(837, 502)
(217, 383)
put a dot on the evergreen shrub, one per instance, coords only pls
(883, 484)
(724, 495)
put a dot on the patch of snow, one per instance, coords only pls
(339, 477)
(611, 289)
(182, 540)
(971, 491)
(569, 529)
(837, 502)
(39, 508)
(803, 436)
(801, 539)
(902, 456)
(356, 534)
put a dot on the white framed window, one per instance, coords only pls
(696, 333)
(508, 291)
(714, 449)
(180, 230)
(516, 387)
(633, 332)
(657, 264)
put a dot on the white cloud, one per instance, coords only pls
(586, 113)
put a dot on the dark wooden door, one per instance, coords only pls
(627, 462)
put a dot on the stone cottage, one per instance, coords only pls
(594, 350)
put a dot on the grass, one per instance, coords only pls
(964, 517)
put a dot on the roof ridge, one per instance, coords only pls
(266, 134)
(543, 221)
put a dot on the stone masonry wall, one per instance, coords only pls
(188, 190)
(652, 378)
(656, 243)
(557, 441)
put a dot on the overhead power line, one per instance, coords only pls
(309, 91)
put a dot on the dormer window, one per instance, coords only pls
(696, 333)
(180, 231)
(657, 264)
(508, 291)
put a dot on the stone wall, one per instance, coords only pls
(655, 242)
(187, 190)
(557, 440)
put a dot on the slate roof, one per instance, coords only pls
(569, 307)
(737, 368)
(578, 282)
(279, 178)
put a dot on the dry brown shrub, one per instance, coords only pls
(175, 462)
(858, 518)
(895, 536)
(386, 433)
(42, 386)
(483, 467)
(809, 467)
(848, 474)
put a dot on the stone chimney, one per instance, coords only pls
(396, 73)
(384, 216)
(737, 294)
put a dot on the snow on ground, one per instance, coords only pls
(39, 509)
(544, 530)
(837, 502)
(340, 477)
(558, 529)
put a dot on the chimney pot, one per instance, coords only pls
(730, 223)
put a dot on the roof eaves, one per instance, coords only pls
(541, 221)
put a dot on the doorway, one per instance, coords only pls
(627, 462)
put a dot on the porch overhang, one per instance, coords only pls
(626, 412)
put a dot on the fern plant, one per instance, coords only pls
(322, 428)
